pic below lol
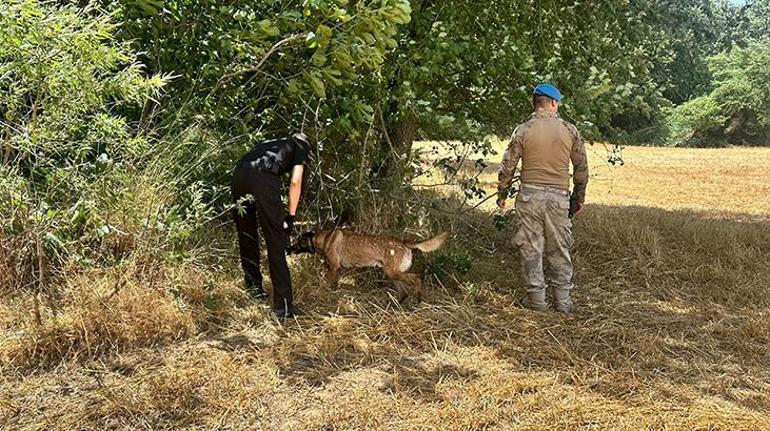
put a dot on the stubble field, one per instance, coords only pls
(672, 330)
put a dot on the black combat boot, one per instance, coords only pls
(283, 313)
(254, 289)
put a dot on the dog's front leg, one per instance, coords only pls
(333, 277)
(333, 271)
(334, 262)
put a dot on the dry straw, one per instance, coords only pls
(671, 334)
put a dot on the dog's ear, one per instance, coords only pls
(345, 218)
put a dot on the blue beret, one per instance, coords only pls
(549, 90)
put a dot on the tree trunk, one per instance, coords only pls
(396, 147)
(399, 126)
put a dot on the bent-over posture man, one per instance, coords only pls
(545, 144)
(256, 189)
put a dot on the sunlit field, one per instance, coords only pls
(671, 332)
(733, 180)
(712, 181)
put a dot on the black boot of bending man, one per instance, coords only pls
(256, 191)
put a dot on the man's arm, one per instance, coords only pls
(508, 167)
(580, 168)
(295, 188)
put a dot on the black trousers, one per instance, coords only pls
(265, 211)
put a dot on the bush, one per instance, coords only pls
(66, 155)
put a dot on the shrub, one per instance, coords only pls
(65, 150)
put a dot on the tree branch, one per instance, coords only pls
(225, 78)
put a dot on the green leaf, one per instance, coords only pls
(317, 84)
(268, 27)
(318, 59)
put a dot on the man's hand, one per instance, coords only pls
(574, 206)
(501, 203)
(578, 208)
(288, 224)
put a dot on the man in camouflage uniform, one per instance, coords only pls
(546, 144)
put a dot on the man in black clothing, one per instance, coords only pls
(256, 189)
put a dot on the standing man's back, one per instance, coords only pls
(546, 144)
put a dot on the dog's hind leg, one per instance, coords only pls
(406, 284)
(402, 292)
(417, 286)
(414, 281)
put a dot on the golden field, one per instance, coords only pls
(714, 181)
(672, 330)
(731, 180)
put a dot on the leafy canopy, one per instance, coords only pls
(737, 110)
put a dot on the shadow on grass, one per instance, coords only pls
(671, 301)
(672, 306)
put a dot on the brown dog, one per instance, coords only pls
(343, 248)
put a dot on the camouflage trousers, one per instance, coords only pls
(545, 234)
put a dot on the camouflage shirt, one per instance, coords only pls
(546, 144)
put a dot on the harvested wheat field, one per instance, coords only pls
(672, 330)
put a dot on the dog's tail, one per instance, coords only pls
(431, 244)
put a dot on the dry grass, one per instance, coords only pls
(672, 331)
(92, 320)
(731, 180)
(714, 181)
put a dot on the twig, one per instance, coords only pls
(385, 133)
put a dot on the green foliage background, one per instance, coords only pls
(737, 109)
(68, 155)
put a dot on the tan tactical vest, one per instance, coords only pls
(546, 149)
